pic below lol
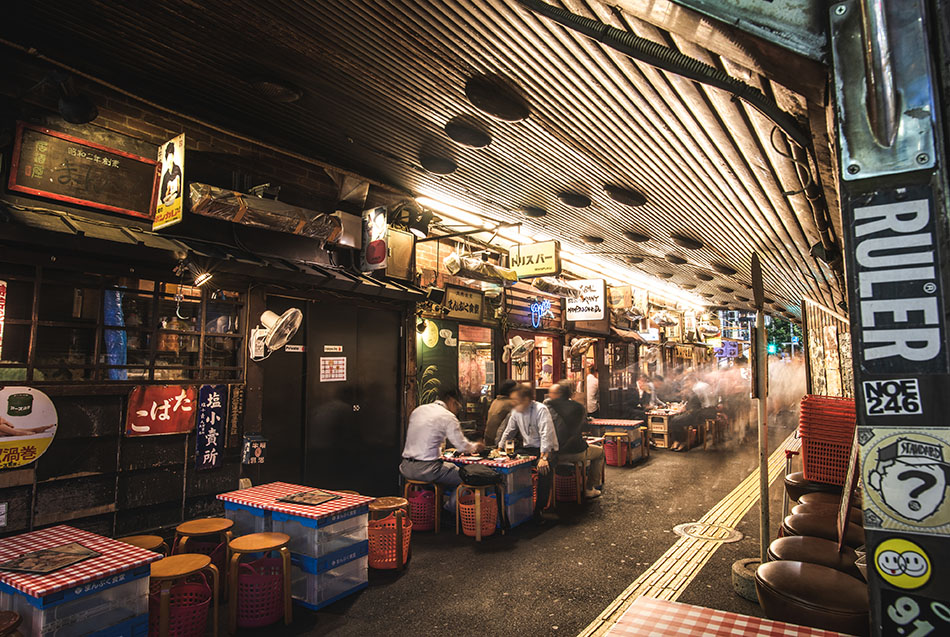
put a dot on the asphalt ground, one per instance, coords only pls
(554, 579)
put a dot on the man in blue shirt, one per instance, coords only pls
(533, 422)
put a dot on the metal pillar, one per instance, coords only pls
(895, 226)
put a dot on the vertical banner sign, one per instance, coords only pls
(212, 419)
(235, 413)
(169, 208)
(589, 306)
(3, 312)
(374, 251)
(161, 409)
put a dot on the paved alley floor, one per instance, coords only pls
(555, 579)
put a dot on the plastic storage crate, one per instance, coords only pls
(103, 609)
(316, 590)
(135, 627)
(517, 478)
(246, 519)
(519, 507)
(317, 538)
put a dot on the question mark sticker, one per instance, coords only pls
(927, 482)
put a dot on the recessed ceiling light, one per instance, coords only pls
(725, 288)
(574, 199)
(706, 295)
(744, 299)
(533, 211)
(719, 308)
(497, 96)
(464, 131)
(675, 258)
(275, 91)
(633, 260)
(684, 241)
(722, 268)
(589, 238)
(438, 165)
(635, 236)
(626, 196)
(665, 275)
(702, 276)
(688, 286)
(769, 300)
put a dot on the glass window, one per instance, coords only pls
(543, 362)
(476, 370)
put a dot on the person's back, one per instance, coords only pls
(569, 424)
(498, 412)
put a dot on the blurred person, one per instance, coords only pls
(498, 412)
(569, 421)
(593, 393)
(533, 422)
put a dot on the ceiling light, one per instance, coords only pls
(684, 241)
(438, 164)
(665, 275)
(725, 288)
(455, 210)
(200, 276)
(277, 91)
(688, 286)
(533, 211)
(589, 238)
(626, 196)
(702, 276)
(632, 259)
(463, 130)
(675, 259)
(637, 237)
(74, 107)
(497, 96)
(574, 199)
(722, 268)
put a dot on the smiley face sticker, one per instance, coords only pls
(902, 563)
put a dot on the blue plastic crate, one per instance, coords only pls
(134, 627)
(310, 564)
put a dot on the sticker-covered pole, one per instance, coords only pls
(760, 390)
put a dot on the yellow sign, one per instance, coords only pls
(27, 425)
(536, 259)
(902, 563)
(169, 208)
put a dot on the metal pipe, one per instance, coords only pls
(761, 363)
(881, 100)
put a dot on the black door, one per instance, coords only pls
(353, 425)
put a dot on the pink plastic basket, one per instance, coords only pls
(260, 593)
(565, 487)
(422, 508)
(616, 453)
(188, 605)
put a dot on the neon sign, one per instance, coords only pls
(539, 309)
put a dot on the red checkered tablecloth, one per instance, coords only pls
(498, 463)
(115, 558)
(648, 617)
(265, 497)
(612, 422)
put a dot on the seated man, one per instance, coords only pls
(569, 419)
(429, 426)
(533, 421)
(498, 412)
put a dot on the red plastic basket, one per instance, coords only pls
(466, 506)
(615, 452)
(260, 592)
(382, 542)
(188, 605)
(565, 487)
(826, 427)
(422, 508)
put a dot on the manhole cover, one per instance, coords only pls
(710, 532)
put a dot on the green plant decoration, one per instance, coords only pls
(429, 385)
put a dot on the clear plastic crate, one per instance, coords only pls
(309, 539)
(519, 478)
(247, 520)
(520, 510)
(318, 589)
(83, 615)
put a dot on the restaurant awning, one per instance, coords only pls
(628, 336)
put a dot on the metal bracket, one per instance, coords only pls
(896, 31)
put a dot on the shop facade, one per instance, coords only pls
(538, 317)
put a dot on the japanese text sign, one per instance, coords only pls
(210, 427)
(161, 409)
(170, 200)
(536, 259)
(3, 312)
(589, 306)
(463, 303)
(28, 423)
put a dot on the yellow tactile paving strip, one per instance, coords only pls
(669, 576)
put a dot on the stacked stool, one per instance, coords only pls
(475, 520)
(148, 542)
(390, 533)
(253, 593)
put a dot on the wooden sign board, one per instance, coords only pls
(50, 164)
(463, 303)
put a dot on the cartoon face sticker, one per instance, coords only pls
(902, 563)
(911, 478)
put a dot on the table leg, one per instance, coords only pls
(166, 590)
(233, 592)
(215, 593)
(288, 601)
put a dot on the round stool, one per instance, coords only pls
(167, 570)
(814, 550)
(422, 485)
(399, 508)
(824, 497)
(148, 542)
(9, 622)
(815, 525)
(813, 595)
(578, 473)
(854, 515)
(201, 528)
(257, 543)
(481, 492)
(618, 440)
(796, 485)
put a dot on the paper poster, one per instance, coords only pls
(591, 304)
(169, 208)
(28, 423)
(373, 253)
(212, 416)
(161, 409)
(332, 369)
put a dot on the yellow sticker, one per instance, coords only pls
(902, 563)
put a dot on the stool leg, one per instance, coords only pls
(288, 601)
(166, 589)
(458, 510)
(438, 508)
(399, 532)
(215, 592)
(233, 592)
(579, 480)
(179, 545)
(478, 515)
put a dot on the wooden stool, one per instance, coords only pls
(147, 542)
(9, 622)
(618, 438)
(257, 543)
(166, 570)
(438, 498)
(709, 429)
(347, 492)
(380, 508)
(201, 527)
(481, 491)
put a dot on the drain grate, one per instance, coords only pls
(709, 532)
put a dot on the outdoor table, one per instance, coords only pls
(638, 448)
(105, 592)
(329, 542)
(517, 472)
(659, 423)
(648, 617)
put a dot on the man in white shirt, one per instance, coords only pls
(429, 426)
(593, 393)
(533, 422)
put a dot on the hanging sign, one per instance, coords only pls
(161, 409)
(235, 413)
(374, 252)
(3, 312)
(536, 259)
(169, 209)
(590, 306)
(212, 416)
(28, 423)
(463, 303)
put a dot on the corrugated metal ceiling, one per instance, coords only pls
(380, 79)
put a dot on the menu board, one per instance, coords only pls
(58, 166)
